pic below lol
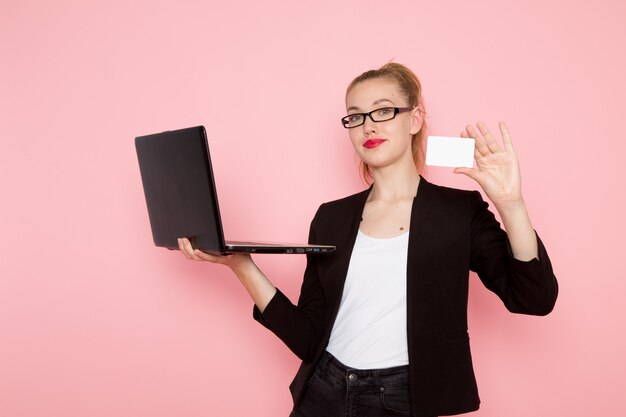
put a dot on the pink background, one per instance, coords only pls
(96, 321)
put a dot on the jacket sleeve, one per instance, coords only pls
(300, 327)
(526, 287)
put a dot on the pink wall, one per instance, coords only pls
(95, 321)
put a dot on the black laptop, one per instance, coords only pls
(181, 196)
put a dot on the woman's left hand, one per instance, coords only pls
(497, 170)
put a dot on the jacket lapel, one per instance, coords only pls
(334, 266)
(418, 293)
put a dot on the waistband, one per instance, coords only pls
(394, 376)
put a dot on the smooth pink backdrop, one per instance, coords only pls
(96, 321)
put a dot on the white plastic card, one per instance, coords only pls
(450, 152)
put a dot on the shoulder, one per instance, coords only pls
(448, 197)
(339, 214)
(345, 204)
(451, 210)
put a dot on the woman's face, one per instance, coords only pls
(381, 144)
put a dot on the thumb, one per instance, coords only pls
(470, 172)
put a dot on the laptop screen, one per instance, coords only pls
(180, 189)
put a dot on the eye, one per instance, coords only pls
(355, 118)
(385, 112)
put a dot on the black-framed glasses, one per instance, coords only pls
(378, 115)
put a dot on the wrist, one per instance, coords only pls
(510, 206)
(514, 215)
(243, 265)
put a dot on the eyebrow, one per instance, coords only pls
(380, 100)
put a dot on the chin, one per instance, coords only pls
(379, 160)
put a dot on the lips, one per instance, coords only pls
(373, 143)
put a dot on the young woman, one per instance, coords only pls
(381, 323)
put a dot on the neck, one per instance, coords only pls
(395, 182)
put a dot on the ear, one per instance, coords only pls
(416, 120)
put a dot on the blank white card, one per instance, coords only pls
(450, 152)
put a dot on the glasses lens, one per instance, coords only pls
(353, 120)
(386, 113)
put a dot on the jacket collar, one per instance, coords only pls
(361, 198)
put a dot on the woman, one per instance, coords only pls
(381, 323)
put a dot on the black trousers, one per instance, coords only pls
(336, 390)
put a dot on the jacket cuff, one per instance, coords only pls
(525, 267)
(536, 267)
(530, 265)
(271, 310)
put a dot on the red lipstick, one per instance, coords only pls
(372, 143)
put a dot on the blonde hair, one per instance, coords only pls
(411, 87)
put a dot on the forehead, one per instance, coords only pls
(369, 92)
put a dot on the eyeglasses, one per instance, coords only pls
(378, 115)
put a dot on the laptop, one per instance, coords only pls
(180, 193)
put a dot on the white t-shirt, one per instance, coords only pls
(370, 329)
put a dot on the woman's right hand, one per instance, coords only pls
(256, 283)
(234, 261)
